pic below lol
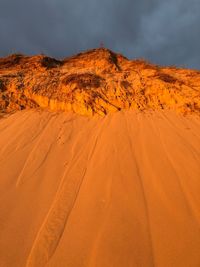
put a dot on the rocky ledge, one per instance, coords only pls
(97, 81)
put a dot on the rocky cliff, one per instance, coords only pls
(97, 81)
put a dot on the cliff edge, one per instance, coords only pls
(97, 81)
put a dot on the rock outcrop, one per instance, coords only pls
(97, 81)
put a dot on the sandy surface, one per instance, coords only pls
(119, 191)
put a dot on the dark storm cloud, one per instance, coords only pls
(165, 32)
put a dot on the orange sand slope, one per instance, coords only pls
(122, 190)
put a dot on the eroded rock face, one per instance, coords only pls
(97, 81)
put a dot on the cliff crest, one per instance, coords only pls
(97, 81)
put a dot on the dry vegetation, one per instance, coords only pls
(97, 81)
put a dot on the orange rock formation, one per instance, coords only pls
(95, 82)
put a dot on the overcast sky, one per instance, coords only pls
(162, 31)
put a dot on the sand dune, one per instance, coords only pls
(121, 190)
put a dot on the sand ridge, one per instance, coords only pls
(97, 81)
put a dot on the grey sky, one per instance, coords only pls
(162, 31)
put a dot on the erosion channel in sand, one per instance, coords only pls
(119, 190)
